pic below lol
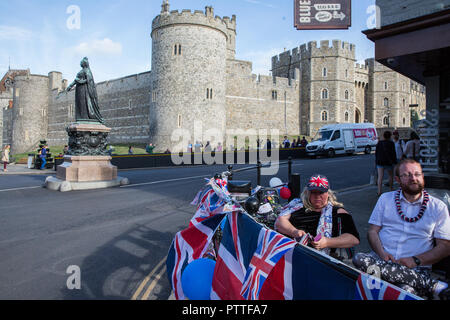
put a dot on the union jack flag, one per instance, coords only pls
(372, 288)
(239, 242)
(188, 245)
(271, 247)
(209, 201)
(318, 181)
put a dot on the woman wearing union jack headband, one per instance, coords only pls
(321, 217)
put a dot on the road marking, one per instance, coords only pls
(153, 284)
(340, 160)
(24, 188)
(147, 278)
(162, 181)
(355, 189)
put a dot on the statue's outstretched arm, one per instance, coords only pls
(75, 82)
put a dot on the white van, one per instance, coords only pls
(343, 138)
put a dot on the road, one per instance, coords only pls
(117, 237)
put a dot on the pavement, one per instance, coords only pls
(14, 168)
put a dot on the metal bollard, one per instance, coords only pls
(294, 186)
(289, 168)
(258, 178)
(230, 170)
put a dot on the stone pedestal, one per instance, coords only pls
(87, 139)
(86, 169)
(87, 166)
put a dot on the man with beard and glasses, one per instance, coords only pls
(409, 232)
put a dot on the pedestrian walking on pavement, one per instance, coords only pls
(43, 156)
(385, 159)
(399, 146)
(412, 147)
(5, 156)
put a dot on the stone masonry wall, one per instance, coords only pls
(182, 82)
(29, 119)
(259, 102)
(401, 10)
(123, 103)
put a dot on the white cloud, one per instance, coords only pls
(14, 33)
(104, 47)
(261, 3)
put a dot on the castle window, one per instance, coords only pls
(177, 50)
(154, 95)
(70, 110)
(403, 102)
(346, 73)
(129, 104)
(386, 102)
(385, 85)
(274, 95)
(324, 94)
(179, 121)
(324, 72)
(324, 116)
(346, 116)
(346, 94)
(209, 93)
(404, 121)
(386, 121)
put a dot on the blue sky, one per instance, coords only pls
(115, 34)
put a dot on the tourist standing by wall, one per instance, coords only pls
(5, 156)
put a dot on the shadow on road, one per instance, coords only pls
(115, 270)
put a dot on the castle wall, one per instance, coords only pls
(123, 103)
(361, 91)
(7, 126)
(29, 116)
(388, 84)
(5, 98)
(182, 82)
(251, 103)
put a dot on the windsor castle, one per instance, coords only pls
(195, 77)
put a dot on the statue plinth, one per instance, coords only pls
(87, 138)
(86, 168)
(87, 164)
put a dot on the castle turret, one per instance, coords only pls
(29, 119)
(189, 53)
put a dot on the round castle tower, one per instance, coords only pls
(30, 101)
(189, 53)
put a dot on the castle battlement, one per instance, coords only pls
(197, 17)
(337, 48)
(362, 68)
(311, 49)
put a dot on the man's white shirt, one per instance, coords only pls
(406, 239)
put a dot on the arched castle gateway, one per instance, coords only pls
(195, 77)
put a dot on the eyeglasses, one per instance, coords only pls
(410, 175)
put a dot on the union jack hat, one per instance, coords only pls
(318, 182)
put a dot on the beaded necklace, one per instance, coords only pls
(422, 208)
